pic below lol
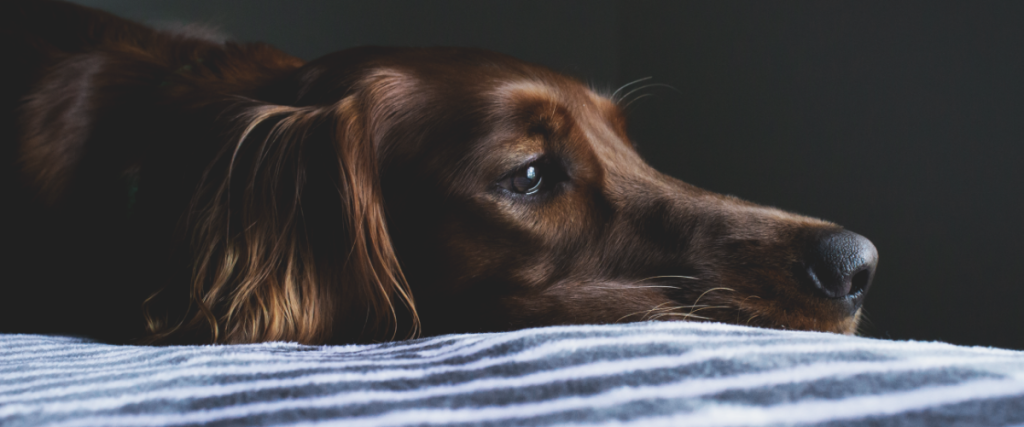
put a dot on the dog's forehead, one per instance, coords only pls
(570, 112)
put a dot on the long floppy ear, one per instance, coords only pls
(288, 237)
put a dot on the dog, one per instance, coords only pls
(166, 188)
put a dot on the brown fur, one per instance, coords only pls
(362, 196)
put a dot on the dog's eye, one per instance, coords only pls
(527, 181)
(535, 178)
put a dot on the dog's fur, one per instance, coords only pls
(166, 188)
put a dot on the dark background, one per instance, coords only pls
(903, 121)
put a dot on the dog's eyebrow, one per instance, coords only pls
(521, 151)
(544, 108)
(548, 110)
(613, 115)
(524, 89)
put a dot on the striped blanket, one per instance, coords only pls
(646, 374)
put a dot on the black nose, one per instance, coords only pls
(841, 263)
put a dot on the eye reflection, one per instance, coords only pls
(527, 181)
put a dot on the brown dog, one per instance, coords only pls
(166, 188)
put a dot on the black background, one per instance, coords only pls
(902, 121)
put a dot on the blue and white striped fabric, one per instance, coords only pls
(646, 374)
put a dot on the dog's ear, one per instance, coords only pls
(288, 236)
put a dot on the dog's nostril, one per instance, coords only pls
(860, 281)
(841, 263)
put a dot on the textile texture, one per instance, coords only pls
(644, 374)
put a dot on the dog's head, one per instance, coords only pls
(510, 196)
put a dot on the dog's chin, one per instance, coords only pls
(840, 316)
(839, 324)
(846, 325)
(854, 322)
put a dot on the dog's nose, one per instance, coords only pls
(841, 264)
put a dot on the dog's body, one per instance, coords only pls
(171, 189)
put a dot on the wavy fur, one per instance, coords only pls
(166, 188)
(258, 274)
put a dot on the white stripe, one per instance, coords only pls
(41, 364)
(470, 339)
(44, 346)
(618, 396)
(683, 328)
(387, 347)
(92, 368)
(36, 337)
(211, 373)
(79, 351)
(143, 357)
(33, 341)
(493, 339)
(851, 408)
(414, 349)
(403, 346)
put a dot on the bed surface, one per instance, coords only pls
(645, 374)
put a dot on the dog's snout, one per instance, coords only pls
(841, 264)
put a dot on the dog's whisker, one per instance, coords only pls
(642, 317)
(706, 292)
(624, 107)
(708, 307)
(623, 287)
(683, 315)
(615, 100)
(749, 297)
(863, 323)
(693, 306)
(647, 311)
(655, 314)
(711, 290)
(668, 277)
(659, 309)
(660, 312)
(646, 86)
